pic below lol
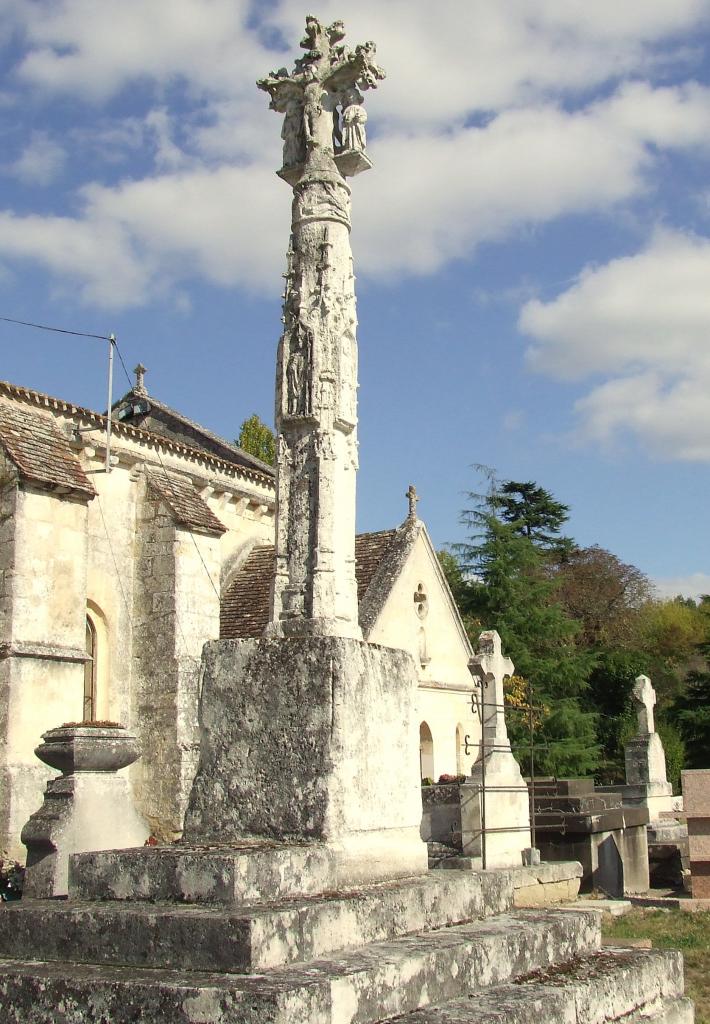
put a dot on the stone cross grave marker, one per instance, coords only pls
(491, 665)
(645, 697)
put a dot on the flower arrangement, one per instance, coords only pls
(12, 877)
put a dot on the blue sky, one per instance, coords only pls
(532, 246)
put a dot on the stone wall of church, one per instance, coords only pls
(175, 610)
(418, 617)
(44, 558)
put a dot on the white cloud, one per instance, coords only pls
(39, 163)
(525, 167)
(128, 245)
(643, 322)
(694, 586)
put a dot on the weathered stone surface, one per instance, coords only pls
(495, 803)
(249, 938)
(359, 987)
(85, 811)
(311, 738)
(629, 986)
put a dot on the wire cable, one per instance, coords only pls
(57, 330)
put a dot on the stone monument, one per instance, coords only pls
(495, 797)
(646, 781)
(308, 777)
(310, 734)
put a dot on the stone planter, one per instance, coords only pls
(83, 748)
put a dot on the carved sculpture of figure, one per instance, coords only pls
(317, 113)
(294, 382)
(293, 135)
(354, 118)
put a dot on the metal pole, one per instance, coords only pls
(531, 723)
(483, 774)
(111, 344)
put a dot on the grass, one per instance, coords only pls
(673, 929)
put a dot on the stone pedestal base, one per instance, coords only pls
(86, 811)
(507, 812)
(311, 739)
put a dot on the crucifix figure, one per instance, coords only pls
(645, 698)
(325, 83)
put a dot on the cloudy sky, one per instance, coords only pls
(532, 246)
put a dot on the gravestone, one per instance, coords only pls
(696, 807)
(495, 799)
(646, 781)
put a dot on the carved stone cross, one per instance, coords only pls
(645, 697)
(323, 90)
(413, 498)
(490, 664)
(139, 387)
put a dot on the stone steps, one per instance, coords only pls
(360, 986)
(246, 939)
(638, 986)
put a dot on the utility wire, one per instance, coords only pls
(57, 330)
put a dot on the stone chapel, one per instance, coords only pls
(110, 584)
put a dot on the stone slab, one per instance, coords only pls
(695, 784)
(616, 908)
(291, 748)
(533, 884)
(360, 987)
(213, 938)
(632, 986)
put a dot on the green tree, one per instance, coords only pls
(510, 589)
(690, 712)
(257, 439)
(532, 511)
(603, 594)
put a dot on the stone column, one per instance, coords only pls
(309, 733)
(314, 591)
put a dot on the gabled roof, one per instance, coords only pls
(80, 414)
(379, 559)
(244, 610)
(185, 504)
(143, 410)
(41, 452)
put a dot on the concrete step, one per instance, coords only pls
(247, 939)
(633, 986)
(357, 987)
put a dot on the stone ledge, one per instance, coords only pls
(248, 939)
(363, 986)
(632, 986)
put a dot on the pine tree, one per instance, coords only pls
(514, 592)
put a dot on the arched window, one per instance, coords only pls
(426, 752)
(90, 672)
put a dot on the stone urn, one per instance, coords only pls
(88, 748)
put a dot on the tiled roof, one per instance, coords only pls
(27, 396)
(245, 605)
(40, 451)
(185, 503)
(244, 610)
(161, 419)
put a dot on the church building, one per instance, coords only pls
(111, 582)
